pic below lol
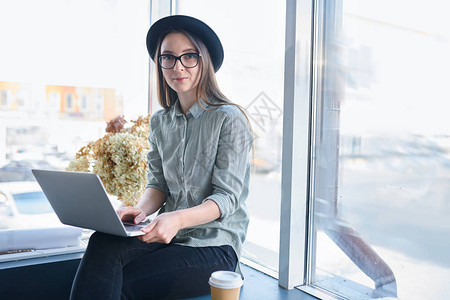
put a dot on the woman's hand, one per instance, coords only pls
(162, 229)
(131, 214)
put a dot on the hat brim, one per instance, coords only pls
(191, 25)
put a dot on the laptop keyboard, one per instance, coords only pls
(133, 227)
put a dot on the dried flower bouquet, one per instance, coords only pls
(119, 158)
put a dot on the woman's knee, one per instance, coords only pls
(107, 239)
(99, 242)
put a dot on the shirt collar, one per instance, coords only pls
(177, 108)
(196, 110)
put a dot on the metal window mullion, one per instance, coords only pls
(150, 67)
(296, 143)
(173, 7)
(158, 10)
(317, 76)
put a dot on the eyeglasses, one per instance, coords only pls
(188, 60)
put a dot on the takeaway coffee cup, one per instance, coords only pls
(225, 285)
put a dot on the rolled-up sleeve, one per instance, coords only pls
(155, 176)
(231, 166)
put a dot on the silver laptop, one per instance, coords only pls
(79, 199)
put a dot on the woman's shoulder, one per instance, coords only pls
(229, 110)
(160, 114)
(230, 114)
(160, 119)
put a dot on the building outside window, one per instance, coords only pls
(59, 96)
(70, 106)
(4, 98)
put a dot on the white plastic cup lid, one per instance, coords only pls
(225, 280)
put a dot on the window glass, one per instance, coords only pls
(252, 34)
(382, 154)
(67, 67)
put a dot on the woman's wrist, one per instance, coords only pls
(197, 215)
(151, 201)
(180, 218)
(141, 208)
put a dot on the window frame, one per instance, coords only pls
(297, 122)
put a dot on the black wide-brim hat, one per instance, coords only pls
(191, 25)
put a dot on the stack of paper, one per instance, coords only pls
(39, 238)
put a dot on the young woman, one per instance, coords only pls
(198, 180)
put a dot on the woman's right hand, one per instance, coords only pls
(131, 214)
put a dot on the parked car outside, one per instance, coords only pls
(20, 170)
(24, 205)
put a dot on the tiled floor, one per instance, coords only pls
(259, 286)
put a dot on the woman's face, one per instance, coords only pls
(181, 79)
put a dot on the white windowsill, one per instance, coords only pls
(34, 257)
(40, 253)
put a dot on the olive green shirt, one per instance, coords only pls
(199, 156)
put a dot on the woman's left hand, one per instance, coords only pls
(162, 229)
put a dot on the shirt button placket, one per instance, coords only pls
(182, 152)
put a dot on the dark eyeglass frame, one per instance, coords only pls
(178, 58)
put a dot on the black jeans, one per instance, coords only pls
(126, 268)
